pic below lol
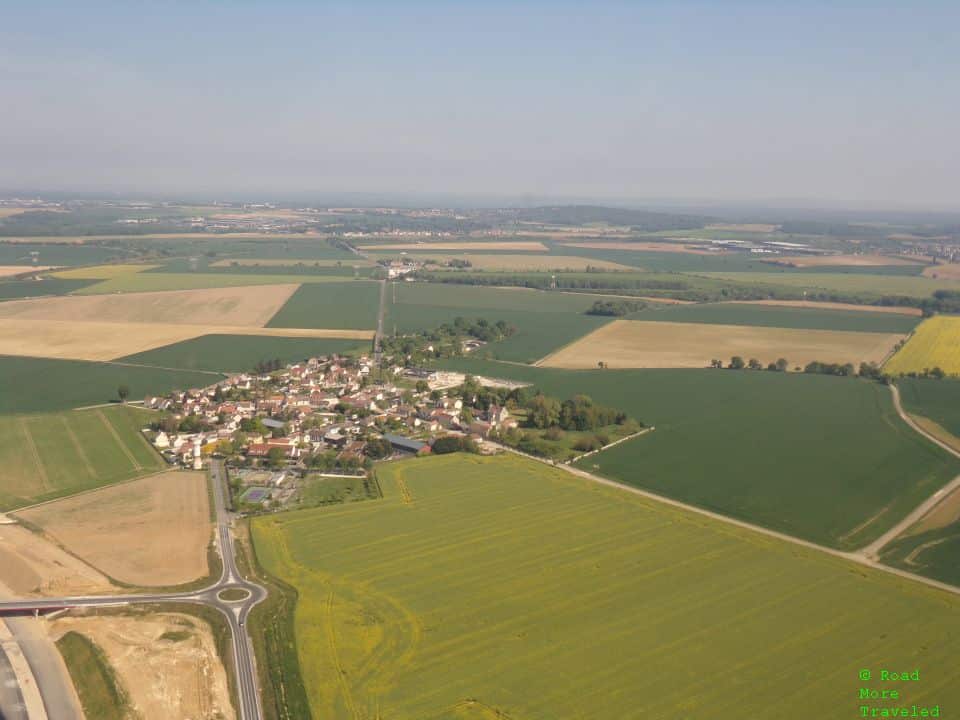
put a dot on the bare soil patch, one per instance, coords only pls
(108, 340)
(947, 271)
(896, 310)
(32, 565)
(210, 306)
(690, 249)
(11, 270)
(150, 532)
(529, 245)
(640, 344)
(166, 662)
(801, 261)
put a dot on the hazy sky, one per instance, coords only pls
(836, 102)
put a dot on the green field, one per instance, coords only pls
(30, 384)
(544, 321)
(16, 289)
(938, 400)
(934, 553)
(154, 282)
(58, 454)
(818, 457)
(850, 283)
(55, 254)
(778, 316)
(240, 353)
(501, 588)
(343, 305)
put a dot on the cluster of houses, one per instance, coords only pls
(321, 405)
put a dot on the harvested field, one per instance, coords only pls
(898, 310)
(532, 262)
(509, 589)
(101, 272)
(520, 245)
(211, 306)
(169, 281)
(802, 261)
(695, 249)
(32, 565)
(150, 532)
(948, 271)
(936, 343)
(64, 339)
(11, 270)
(636, 344)
(166, 662)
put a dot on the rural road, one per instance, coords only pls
(872, 551)
(378, 338)
(12, 706)
(236, 613)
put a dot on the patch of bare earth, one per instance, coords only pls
(32, 565)
(166, 662)
(917, 312)
(801, 261)
(242, 306)
(947, 271)
(11, 270)
(150, 532)
(642, 344)
(689, 249)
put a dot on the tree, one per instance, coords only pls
(276, 458)
(378, 449)
(123, 392)
(543, 411)
(754, 364)
(446, 444)
(782, 365)
(736, 363)
(422, 386)
(716, 363)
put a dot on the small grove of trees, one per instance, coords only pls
(738, 363)
(453, 443)
(615, 308)
(264, 367)
(822, 368)
(378, 449)
(577, 413)
(123, 392)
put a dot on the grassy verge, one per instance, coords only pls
(271, 629)
(100, 692)
(937, 430)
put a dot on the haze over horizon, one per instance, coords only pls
(829, 104)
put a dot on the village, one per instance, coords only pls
(324, 418)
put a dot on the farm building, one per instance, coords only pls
(405, 444)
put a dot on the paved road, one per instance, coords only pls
(236, 613)
(378, 338)
(872, 550)
(12, 706)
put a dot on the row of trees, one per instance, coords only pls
(738, 363)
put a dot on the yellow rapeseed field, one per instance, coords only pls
(935, 343)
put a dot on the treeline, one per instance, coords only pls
(815, 367)
(615, 308)
(445, 340)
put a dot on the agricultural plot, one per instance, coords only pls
(100, 272)
(865, 284)
(641, 344)
(780, 316)
(500, 587)
(334, 305)
(49, 456)
(214, 306)
(17, 289)
(31, 384)
(240, 353)
(742, 444)
(150, 532)
(464, 246)
(157, 281)
(544, 321)
(936, 343)
(938, 400)
(528, 262)
(54, 254)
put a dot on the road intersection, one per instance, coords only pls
(235, 612)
